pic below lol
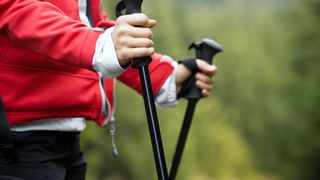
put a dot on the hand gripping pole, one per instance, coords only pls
(205, 50)
(134, 6)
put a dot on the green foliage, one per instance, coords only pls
(262, 120)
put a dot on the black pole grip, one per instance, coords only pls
(131, 7)
(205, 50)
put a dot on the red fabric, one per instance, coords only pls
(46, 62)
(159, 71)
(37, 25)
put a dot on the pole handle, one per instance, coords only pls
(131, 7)
(204, 50)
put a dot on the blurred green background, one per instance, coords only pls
(262, 120)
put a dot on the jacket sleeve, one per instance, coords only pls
(42, 27)
(160, 69)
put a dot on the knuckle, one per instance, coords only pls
(122, 31)
(124, 55)
(120, 53)
(120, 20)
(122, 42)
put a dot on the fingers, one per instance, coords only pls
(130, 53)
(204, 77)
(205, 93)
(137, 32)
(205, 84)
(205, 88)
(206, 68)
(131, 41)
(137, 19)
(128, 48)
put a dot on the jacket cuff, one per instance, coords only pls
(105, 60)
(167, 95)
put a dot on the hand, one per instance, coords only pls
(132, 37)
(203, 78)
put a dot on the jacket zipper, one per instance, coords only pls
(106, 111)
(105, 106)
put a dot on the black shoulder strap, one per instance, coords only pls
(6, 144)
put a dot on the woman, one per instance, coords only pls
(58, 62)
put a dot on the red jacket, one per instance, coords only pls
(46, 62)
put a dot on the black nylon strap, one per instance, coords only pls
(191, 64)
(186, 87)
(6, 144)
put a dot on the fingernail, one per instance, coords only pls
(212, 67)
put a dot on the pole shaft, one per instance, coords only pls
(182, 138)
(153, 123)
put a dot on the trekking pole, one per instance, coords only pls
(134, 6)
(205, 50)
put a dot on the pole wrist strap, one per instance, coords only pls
(191, 64)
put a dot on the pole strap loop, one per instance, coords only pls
(191, 64)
